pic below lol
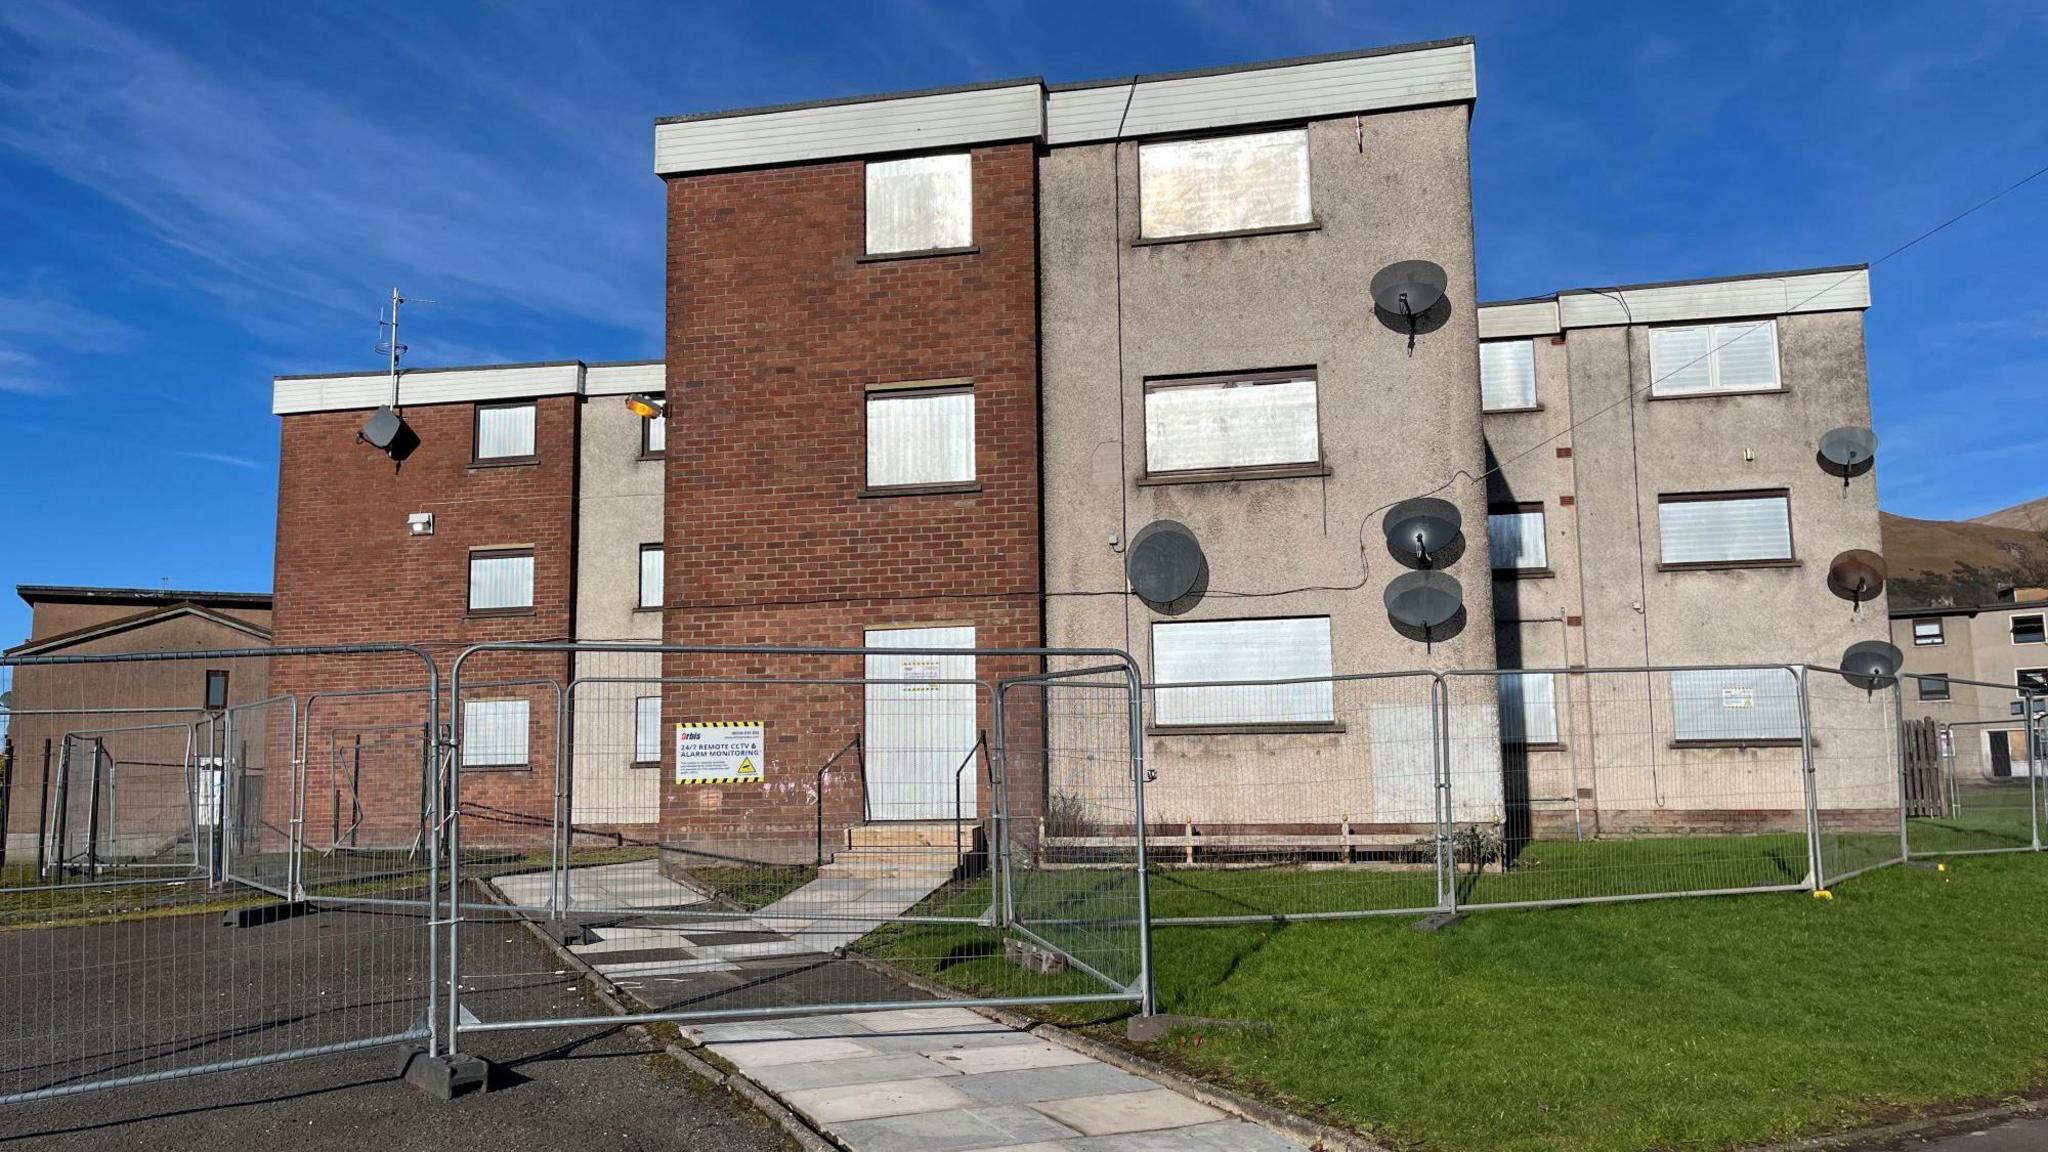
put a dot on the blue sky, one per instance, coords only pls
(196, 197)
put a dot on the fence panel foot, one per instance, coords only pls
(263, 914)
(1439, 920)
(443, 1077)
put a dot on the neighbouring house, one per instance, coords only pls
(118, 742)
(1965, 666)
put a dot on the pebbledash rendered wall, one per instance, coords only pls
(1384, 187)
(777, 326)
(1596, 452)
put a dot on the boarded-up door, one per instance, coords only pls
(919, 729)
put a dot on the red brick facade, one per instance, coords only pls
(349, 573)
(776, 327)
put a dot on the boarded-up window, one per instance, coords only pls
(504, 431)
(1514, 538)
(494, 733)
(1745, 705)
(1507, 375)
(1702, 359)
(501, 580)
(920, 436)
(1246, 421)
(647, 730)
(1224, 184)
(1528, 708)
(1736, 528)
(651, 568)
(1236, 655)
(920, 204)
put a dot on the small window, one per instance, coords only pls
(1514, 538)
(494, 733)
(920, 204)
(1718, 529)
(216, 689)
(2028, 630)
(654, 436)
(920, 437)
(1739, 706)
(1507, 375)
(1704, 359)
(1239, 183)
(2032, 680)
(1927, 632)
(1237, 654)
(504, 432)
(1932, 687)
(651, 573)
(1254, 420)
(1528, 708)
(646, 731)
(501, 580)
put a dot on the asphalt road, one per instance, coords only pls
(559, 1087)
(2024, 1134)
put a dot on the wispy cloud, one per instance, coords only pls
(273, 196)
(224, 458)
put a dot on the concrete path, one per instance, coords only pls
(944, 1079)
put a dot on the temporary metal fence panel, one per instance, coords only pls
(1304, 798)
(1856, 746)
(1990, 763)
(740, 831)
(1631, 783)
(158, 824)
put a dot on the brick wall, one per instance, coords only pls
(775, 328)
(348, 573)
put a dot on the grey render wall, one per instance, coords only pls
(1627, 451)
(1533, 615)
(1384, 187)
(619, 507)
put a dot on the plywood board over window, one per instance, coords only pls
(920, 437)
(1241, 658)
(1224, 184)
(920, 204)
(1252, 420)
(1724, 529)
(1507, 375)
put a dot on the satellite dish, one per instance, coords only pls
(1847, 452)
(388, 432)
(1856, 575)
(1425, 600)
(1407, 289)
(1164, 562)
(1421, 527)
(1871, 664)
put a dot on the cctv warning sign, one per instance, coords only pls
(721, 752)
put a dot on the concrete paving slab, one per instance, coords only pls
(917, 1019)
(1032, 1085)
(1226, 1136)
(826, 1106)
(762, 1054)
(956, 1131)
(832, 1073)
(1129, 1112)
(931, 1043)
(1009, 1058)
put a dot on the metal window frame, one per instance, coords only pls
(1285, 469)
(646, 432)
(1524, 508)
(637, 762)
(1921, 681)
(476, 427)
(226, 685)
(640, 603)
(1791, 557)
(500, 552)
(1940, 632)
(2013, 628)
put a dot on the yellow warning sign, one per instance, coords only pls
(720, 752)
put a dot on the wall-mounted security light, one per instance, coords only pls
(419, 524)
(646, 406)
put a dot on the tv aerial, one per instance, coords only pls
(1164, 562)
(1871, 664)
(1847, 452)
(1426, 600)
(1407, 289)
(1856, 575)
(1421, 528)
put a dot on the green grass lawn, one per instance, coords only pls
(1690, 1024)
(1986, 816)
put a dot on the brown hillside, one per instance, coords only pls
(2032, 516)
(1941, 562)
